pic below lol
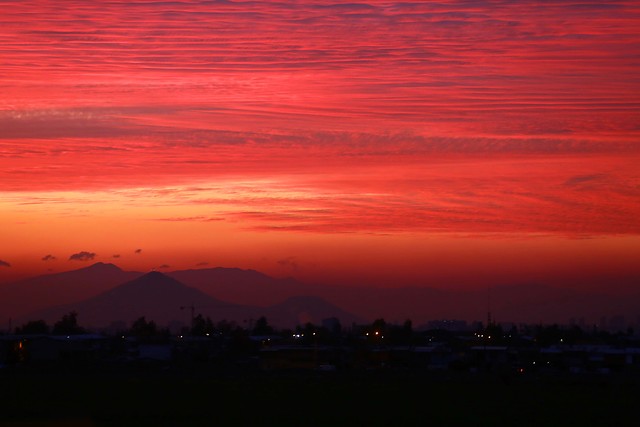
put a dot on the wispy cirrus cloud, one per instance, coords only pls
(61, 123)
(560, 195)
(552, 196)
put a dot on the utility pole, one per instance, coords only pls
(489, 306)
(192, 307)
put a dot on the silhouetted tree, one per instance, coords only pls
(202, 326)
(402, 334)
(312, 334)
(33, 327)
(142, 328)
(379, 325)
(262, 327)
(226, 327)
(309, 329)
(377, 331)
(68, 325)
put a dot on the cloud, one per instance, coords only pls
(138, 251)
(469, 195)
(289, 262)
(115, 256)
(4, 264)
(48, 258)
(582, 179)
(202, 264)
(164, 267)
(190, 219)
(82, 256)
(71, 122)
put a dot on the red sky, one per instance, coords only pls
(394, 143)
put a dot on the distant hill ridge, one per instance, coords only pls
(530, 303)
(28, 295)
(161, 298)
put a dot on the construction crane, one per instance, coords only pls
(193, 307)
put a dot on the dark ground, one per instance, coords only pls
(182, 398)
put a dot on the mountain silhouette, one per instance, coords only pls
(154, 295)
(165, 300)
(103, 292)
(308, 309)
(241, 286)
(25, 296)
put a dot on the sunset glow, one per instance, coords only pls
(444, 144)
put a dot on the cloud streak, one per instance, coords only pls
(414, 77)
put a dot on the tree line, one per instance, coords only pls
(378, 332)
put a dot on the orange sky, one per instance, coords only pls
(425, 143)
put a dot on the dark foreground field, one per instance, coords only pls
(168, 398)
